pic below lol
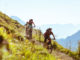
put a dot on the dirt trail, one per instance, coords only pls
(57, 54)
(61, 55)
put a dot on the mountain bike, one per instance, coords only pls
(49, 46)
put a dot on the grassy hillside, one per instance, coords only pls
(9, 24)
(22, 48)
(75, 55)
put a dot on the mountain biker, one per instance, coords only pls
(47, 36)
(2, 43)
(29, 28)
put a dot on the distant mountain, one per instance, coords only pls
(18, 19)
(70, 42)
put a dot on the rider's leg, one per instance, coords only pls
(49, 42)
(45, 39)
(26, 32)
(31, 33)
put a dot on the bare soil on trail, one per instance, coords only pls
(57, 54)
(61, 55)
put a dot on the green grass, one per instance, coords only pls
(9, 23)
(58, 47)
(21, 50)
(24, 50)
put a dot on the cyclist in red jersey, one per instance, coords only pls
(47, 35)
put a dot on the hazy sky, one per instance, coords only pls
(43, 11)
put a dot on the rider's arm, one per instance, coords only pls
(34, 24)
(53, 35)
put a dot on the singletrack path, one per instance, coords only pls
(57, 54)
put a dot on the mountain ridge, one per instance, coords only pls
(18, 19)
(70, 41)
